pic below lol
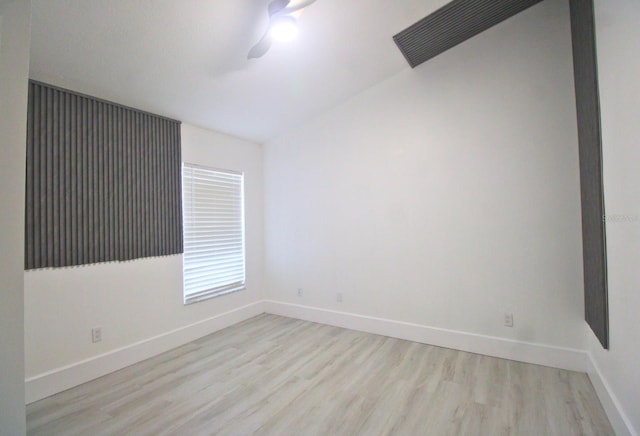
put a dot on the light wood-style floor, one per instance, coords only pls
(280, 376)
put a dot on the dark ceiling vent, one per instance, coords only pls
(452, 24)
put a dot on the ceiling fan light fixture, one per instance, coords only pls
(282, 25)
(284, 28)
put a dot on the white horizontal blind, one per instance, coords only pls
(214, 252)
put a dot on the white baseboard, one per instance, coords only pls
(60, 379)
(548, 355)
(619, 421)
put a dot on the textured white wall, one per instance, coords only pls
(137, 300)
(14, 70)
(618, 44)
(444, 196)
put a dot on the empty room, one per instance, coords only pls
(319, 217)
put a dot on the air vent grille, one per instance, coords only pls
(452, 24)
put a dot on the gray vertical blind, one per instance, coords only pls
(452, 24)
(590, 152)
(103, 181)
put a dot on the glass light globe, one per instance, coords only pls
(284, 29)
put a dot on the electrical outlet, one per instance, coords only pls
(508, 319)
(339, 297)
(96, 334)
(299, 292)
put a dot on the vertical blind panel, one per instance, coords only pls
(452, 24)
(214, 257)
(103, 181)
(590, 153)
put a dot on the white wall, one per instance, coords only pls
(444, 196)
(142, 299)
(15, 22)
(618, 44)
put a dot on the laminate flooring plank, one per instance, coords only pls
(271, 375)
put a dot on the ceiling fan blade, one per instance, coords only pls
(299, 6)
(277, 5)
(262, 47)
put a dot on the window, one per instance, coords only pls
(214, 253)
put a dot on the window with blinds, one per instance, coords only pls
(214, 249)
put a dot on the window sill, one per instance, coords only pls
(213, 294)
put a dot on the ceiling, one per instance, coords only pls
(187, 59)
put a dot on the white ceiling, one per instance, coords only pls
(187, 59)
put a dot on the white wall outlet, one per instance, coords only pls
(508, 319)
(339, 297)
(299, 292)
(96, 334)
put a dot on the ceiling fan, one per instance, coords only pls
(282, 24)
